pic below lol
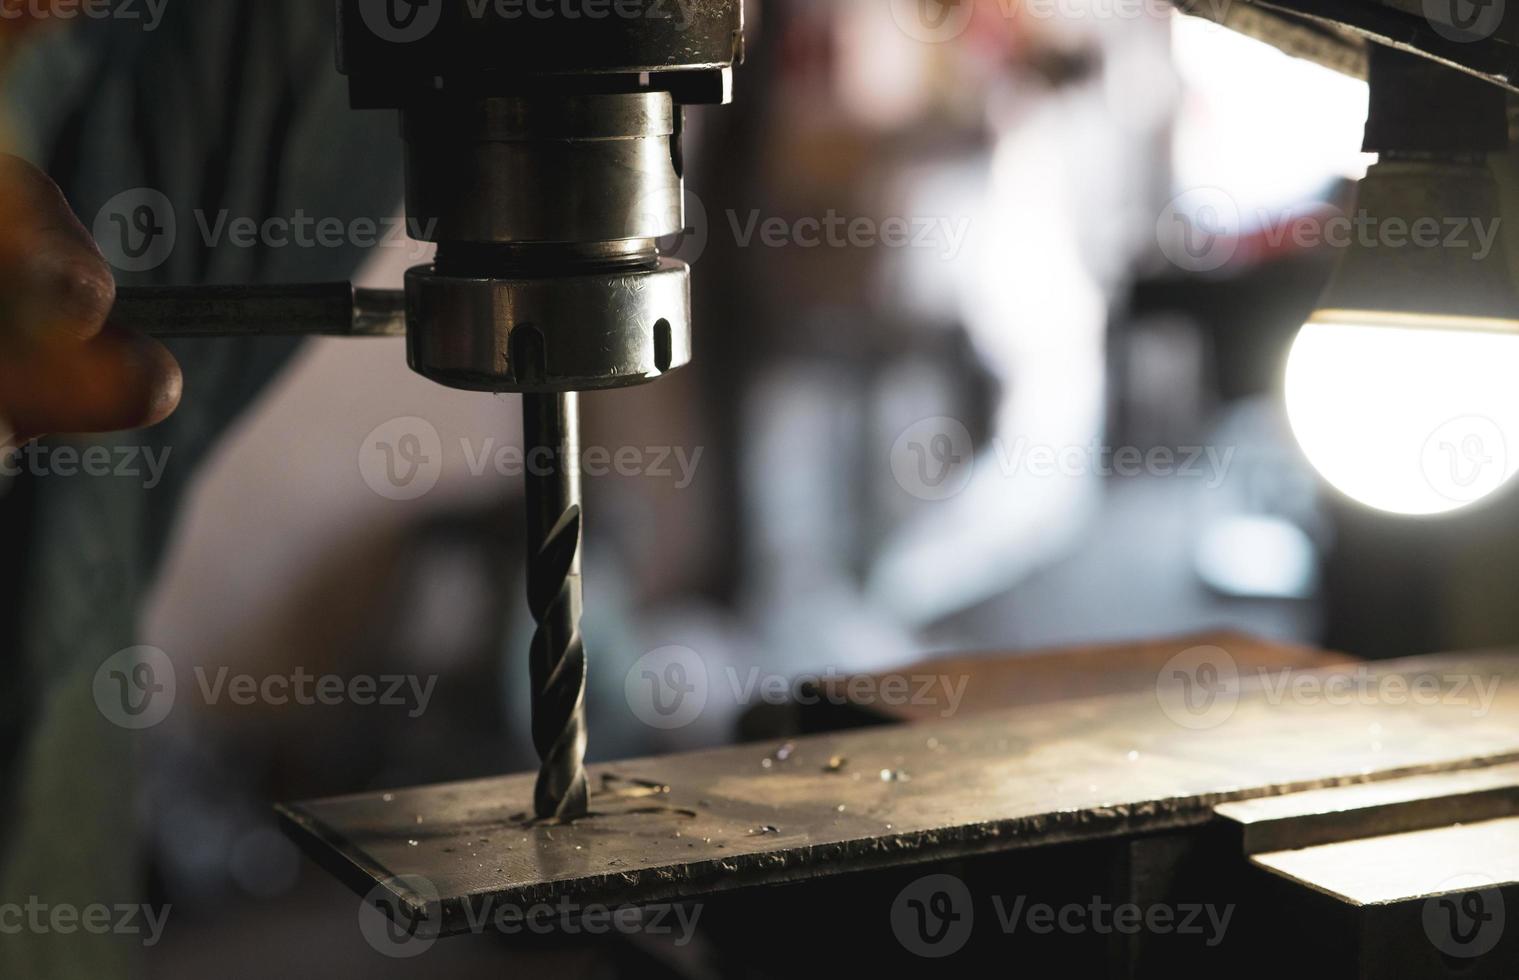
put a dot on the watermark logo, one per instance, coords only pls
(933, 917)
(41, 918)
(402, 459)
(677, 922)
(687, 244)
(135, 688)
(942, 234)
(1198, 689)
(8, 451)
(143, 464)
(933, 21)
(1467, 919)
(395, 927)
(1464, 21)
(1472, 236)
(833, 230)
(934, 459)
(136, 230)
(1199, 230)
(690, 244)
(1108, 10)
(401, 21)
(396, 918)
(413, 692)
(149, 13)
(308, 231)
(667, 688)
(1466, 459)
(1209, 923)
(407, 21)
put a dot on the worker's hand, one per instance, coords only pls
(63, 366)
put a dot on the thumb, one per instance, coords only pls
(63, 366)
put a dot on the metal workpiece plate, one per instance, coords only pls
(1407, 867)
(1325, 816)
(689, 825)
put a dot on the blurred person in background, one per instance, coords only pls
(1022, 154)
(219, 104)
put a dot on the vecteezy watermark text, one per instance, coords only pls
(408, 691)
(1103, 918)
(137, 688)
(679, 12)
(148, 12)
(941, 21)
(402, 460)
(139, 229)
(406, 21)
(301, 230)
(42, 918)
(1365, 687)
(935, 459)
(935, 915)
(1201, 687)
(1204, 229)
(568, 918)
(388, 926)
(145, 463)
(675, 463)
(669, 688)
(836, 231)
(1472, 236)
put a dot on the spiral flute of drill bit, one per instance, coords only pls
(557, 661)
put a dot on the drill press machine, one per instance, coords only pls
(544, 158)
(543, 153)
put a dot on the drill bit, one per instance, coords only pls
(551, 424)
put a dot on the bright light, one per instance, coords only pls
(1253, 556)
(1270, 130)
(1407, 414)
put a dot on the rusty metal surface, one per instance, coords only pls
(684, 826)
(1376, 809)
(1067, 674)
